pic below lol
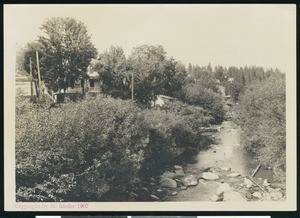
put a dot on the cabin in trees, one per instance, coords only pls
(161, 100)
(93, 81)
(91, 85)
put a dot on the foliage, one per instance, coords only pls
(219, 73)
(86, 150)
(154, 73)
(175, 125)
(196, 94)
(65, 51)
(235, 79)
(196, 115)
(204, 77)
(97, 149)
(234, 89)
(261, 113)
(114, 73)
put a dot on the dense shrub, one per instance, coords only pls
(80, 151)
(261, 113)
(175, 125)
(195, 94)
(196, 115)
(97, 149)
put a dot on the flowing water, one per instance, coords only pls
(226, 151)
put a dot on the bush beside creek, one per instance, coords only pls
(98, 148)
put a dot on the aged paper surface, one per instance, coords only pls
(15, 33)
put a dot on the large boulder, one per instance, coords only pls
(224, 187)
(248, 183)
(169, 174)
(233, 196)
(210, 176)
(168, 183)
(179, 171)
(190, 180)
(257, 195)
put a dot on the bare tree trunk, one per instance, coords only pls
(83, 86)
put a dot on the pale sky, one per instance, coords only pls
(238, 35)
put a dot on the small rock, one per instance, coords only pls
(177, 167)
(226, 169)
(248, 183)
(233, 175)
(159, 190)
(206, 169)
(248, 195)
(265, 183)
(168, 183)
(145, 190)
(152, 179)
(215, 169)
(276, 196)
(174, 193)
(233, 196)
(215, 151)
(190, 180)
(183, 188)
(202, 181)
(257, 195)
(170, 175)
(154, 197)
(210, 176)
(134, 195)
(224, 187)
(215, 198)
(179, 170)
(178, 180)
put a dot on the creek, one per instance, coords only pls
(225, 151)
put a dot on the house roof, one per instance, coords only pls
(165, 97)
(22, 76)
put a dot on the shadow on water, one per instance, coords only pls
(189, 154)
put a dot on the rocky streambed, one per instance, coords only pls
(222, 172)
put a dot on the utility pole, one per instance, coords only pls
(132, 90)
(39, 73)
(31, 77)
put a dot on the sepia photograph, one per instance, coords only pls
(150, 107)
